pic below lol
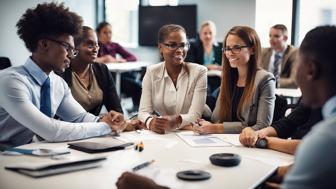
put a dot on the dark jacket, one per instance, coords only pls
(196, 52)
(106, 83)
(298, 123)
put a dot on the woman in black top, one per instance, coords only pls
(206, 51)
(91, 83)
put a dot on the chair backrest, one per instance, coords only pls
(4, 63)
(280, 108)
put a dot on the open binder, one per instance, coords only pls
(42, 169)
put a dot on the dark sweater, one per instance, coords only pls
(298, 123)
(196, 53)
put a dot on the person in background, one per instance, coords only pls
(108, 50)
(295, 126)
(206, 51)
(91, 83)
(32, 94)
(247, 94)
(174, 89)
(280, 58)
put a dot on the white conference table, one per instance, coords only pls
(171, 154)
(120, 68)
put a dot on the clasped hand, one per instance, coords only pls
(115, 120)
(165, 123)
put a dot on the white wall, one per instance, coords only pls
(225, 13)
(10, 12)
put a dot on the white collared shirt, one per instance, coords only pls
(329, 108)
(20, 115)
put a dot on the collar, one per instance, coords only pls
(165, 73)
(329, 108)
(280, 53)
(35, 71)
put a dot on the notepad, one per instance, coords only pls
(42, 169)
(95, 147)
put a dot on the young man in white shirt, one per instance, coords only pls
(32, 94)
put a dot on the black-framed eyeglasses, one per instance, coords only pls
(175, 46)
(235, 49)
(71, 50)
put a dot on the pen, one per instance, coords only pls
(156, 113)
(133, 116)
(143, 165)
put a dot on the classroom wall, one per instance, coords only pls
(225, 13)
(10, 12)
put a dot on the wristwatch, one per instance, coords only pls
(261, 143)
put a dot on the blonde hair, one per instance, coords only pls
(230, 75)
(209, 23)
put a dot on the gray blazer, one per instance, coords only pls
(259, 113)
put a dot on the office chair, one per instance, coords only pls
(280, 107)
(5, 63)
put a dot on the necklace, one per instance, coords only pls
(85, 77)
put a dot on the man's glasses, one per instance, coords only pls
(175, 46)
(235, 49)
(71, 50)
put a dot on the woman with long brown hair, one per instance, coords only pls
(247, 97)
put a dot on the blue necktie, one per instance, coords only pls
(276, 71)
(45, 106)
(276, 66)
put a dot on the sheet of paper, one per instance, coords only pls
(231, 138)
(196, 140)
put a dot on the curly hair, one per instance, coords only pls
(47, 20)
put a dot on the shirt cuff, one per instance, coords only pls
(149, 119)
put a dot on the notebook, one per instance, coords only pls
(42, 169)
(95, 147)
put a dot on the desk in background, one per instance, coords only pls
(171, 155)
(292, 95)
(120, 68)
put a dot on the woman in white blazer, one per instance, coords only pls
(247, 94)
(173, 91)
